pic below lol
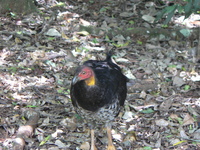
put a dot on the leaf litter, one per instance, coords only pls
(40, 52)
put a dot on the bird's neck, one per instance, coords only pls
(91, 81)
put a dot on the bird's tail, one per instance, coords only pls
(110, 62)
(108, 56)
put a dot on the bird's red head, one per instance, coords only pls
(85, 73)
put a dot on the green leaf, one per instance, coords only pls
(180, 120)
(168, 79)
(196, 5)
(168, 136)
(60, 82)
(19, 32)
(185, 32)
(172, 66)
(120, 45)
(180, 142)
(186, 87)
(14, 103)
(164, 26)
(188, 8)
(60, 90)
(147, 111)
(60, 4)
(155, 93)
(130, 29)
(139, 42)
(170, 9)
(13, 15)
(170, 15)
(50, 63)
(51, 38)
(31, 106)
(45, 140)
(132, 22)
(77, 116)
(147, 148)
(183, 68)
(160, 14)
(180, 9)
(86, 49)
(13, 69)
(47, 18)
(191, 127)
(103, 9)
(107, 39)
(23, 118)
(95, 41)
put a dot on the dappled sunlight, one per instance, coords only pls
(40, 52)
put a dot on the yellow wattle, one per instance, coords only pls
(90, 81)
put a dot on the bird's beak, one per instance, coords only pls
(75, 80)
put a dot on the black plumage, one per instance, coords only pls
(98, 91)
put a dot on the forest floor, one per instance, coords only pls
(39, 53)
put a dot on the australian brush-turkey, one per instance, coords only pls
(98, 91)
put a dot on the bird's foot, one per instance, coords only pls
(93, 147)
(111, 147)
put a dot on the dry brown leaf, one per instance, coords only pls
(85, 146)
(166, 104)
(183, 134)
(174, 116)
(188, 120)
(162, 123)
(130, 136)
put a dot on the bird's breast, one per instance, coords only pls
(103, 114)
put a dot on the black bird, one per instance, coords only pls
(98, 91)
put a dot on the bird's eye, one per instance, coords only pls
(83, 72)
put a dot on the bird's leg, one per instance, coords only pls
(93, 147)
(110, 143)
